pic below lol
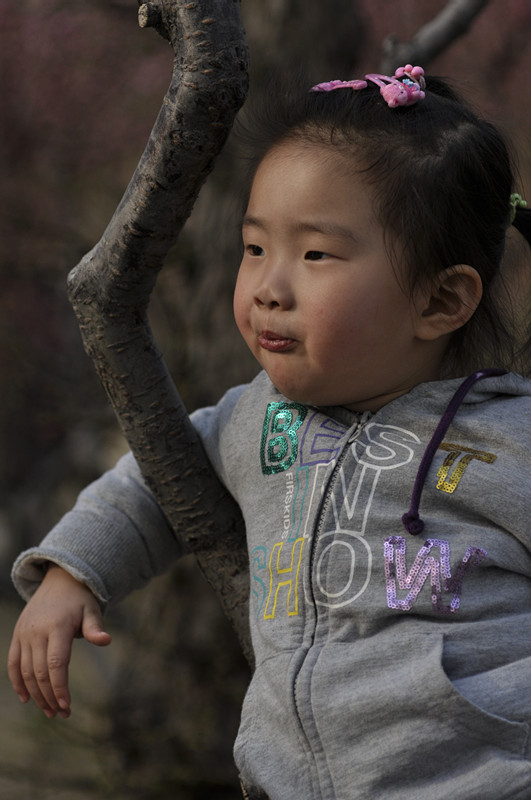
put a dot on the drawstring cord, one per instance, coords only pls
(411, 520)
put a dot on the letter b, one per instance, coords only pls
(279, 445)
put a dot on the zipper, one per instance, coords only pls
(352, 435)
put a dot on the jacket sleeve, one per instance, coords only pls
(114, 539)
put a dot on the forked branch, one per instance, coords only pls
(110, 288)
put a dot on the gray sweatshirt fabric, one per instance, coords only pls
(387, 665)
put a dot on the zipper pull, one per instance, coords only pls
(363, 418)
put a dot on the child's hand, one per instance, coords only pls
(61, 609)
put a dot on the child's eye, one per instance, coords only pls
(316, 255)
(254, 250)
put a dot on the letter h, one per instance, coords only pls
(284, 576)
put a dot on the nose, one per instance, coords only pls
(274, 289)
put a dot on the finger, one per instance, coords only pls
(92, 628)
(45, 667)
(58, 659)
(32, 674)
(13, 669)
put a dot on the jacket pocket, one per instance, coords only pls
(482, 707)
(394, 726)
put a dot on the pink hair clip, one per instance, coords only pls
(329, 86)
(405, 88)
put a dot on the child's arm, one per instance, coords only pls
(61, 609)
(113, 541)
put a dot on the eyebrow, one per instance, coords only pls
(252, 222)
(326, 228)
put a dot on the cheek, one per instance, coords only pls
(240, 305)
(346, 332)
(339, 319)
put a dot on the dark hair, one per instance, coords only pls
(442, 178)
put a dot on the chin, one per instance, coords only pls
(292, 393)
(305, 398)
(307, 394)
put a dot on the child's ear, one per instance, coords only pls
(449, 303)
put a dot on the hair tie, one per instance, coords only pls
(516, 201)
(405, 88)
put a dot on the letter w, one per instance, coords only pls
(284, 576)
(424, 566)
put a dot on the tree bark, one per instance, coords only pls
(110, 288)
(433, 38)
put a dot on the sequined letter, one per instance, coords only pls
(284, 577)
(450, 484)
(279, 445)
(424, 566)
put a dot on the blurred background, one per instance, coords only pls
(155, 715)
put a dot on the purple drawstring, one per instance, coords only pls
(411, 520)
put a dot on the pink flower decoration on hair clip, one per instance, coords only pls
(414, 73)
(404, 89)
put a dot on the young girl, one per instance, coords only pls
(386, 495)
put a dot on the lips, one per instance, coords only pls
(275, 342)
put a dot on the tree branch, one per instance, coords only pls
(451, 23)
(111, 286)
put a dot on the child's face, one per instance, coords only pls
(316, 299)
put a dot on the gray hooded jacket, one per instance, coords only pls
(393, 656)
